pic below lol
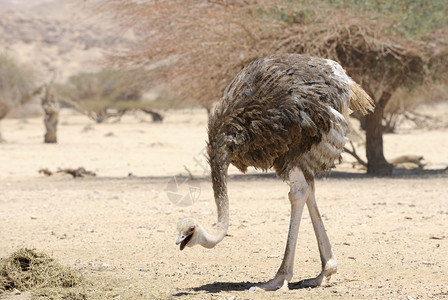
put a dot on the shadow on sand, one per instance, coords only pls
(397, 173)
(218, 287)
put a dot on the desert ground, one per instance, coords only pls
(118, 229)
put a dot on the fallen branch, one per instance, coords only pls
(79, 172)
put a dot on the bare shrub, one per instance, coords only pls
(105, 94)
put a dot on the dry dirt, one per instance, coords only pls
(390, 235)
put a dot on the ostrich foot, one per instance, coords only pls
(279, 283)
(323, 279)
(314, 282)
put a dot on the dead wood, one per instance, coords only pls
(355, 155)
(79, 172)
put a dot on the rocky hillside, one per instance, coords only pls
(62, 37)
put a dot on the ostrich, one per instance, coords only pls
(287, 112)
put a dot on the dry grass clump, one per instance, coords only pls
(27, 269)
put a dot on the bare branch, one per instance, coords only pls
(355, 155)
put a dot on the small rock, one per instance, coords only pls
(33, 217)
(410, 298)
(160, 230)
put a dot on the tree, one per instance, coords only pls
(195, 46)
(203, 44)
(16, 85)
(380, 62)
(380, 59)
(105, 94)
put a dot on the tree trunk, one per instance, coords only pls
(376, 163)
(51, 123)
(51, 109)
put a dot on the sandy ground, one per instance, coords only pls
(390, 235)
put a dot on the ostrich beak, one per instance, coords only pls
(180, 239)
(183, 240)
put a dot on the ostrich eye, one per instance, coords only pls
(192, 228)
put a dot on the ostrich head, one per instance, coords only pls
(192, 233)
(188, 233)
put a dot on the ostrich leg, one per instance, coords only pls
(300, 190)
(329, 265)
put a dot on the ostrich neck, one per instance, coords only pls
(219, 180)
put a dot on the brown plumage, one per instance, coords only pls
(286, 112)
(276, 109)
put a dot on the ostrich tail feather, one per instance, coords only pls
(360, 101)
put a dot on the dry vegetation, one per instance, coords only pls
(199, 46)
(27, 269)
